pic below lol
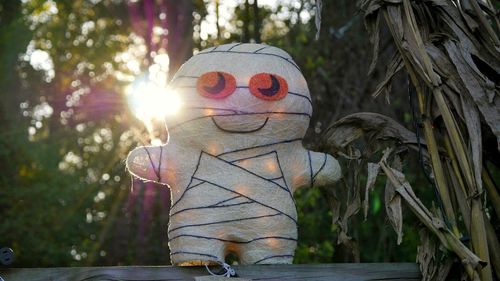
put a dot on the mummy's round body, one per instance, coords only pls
(235, 156)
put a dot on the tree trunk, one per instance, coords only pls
(180, 30)
(246, 23)
(217, 19)
(256, 22)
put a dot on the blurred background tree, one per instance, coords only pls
(68, 72)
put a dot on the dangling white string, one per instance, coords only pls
(229, 271)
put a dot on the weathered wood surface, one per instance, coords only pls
(344, 272)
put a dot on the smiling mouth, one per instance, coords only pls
(234, 124)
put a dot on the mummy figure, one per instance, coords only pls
(235, 157)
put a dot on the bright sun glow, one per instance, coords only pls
(150, 102)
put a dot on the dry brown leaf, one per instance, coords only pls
(369, 7)
(432, 268)
(426, 255)
(373, 29)
(373, 170)
(372, 126)
(353, 206)
(478, 91)
(393, 203)
(393, 67)
(471, 114)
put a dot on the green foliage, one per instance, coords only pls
(316, 242)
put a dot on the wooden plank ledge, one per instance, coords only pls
(340, 271)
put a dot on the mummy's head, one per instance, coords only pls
(241, 91)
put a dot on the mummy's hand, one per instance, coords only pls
(325, 169)
(147, 163)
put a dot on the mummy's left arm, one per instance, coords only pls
(323, 168)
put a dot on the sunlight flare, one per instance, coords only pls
(150, 102)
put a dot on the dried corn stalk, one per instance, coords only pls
(358, 137)
(450, 51)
